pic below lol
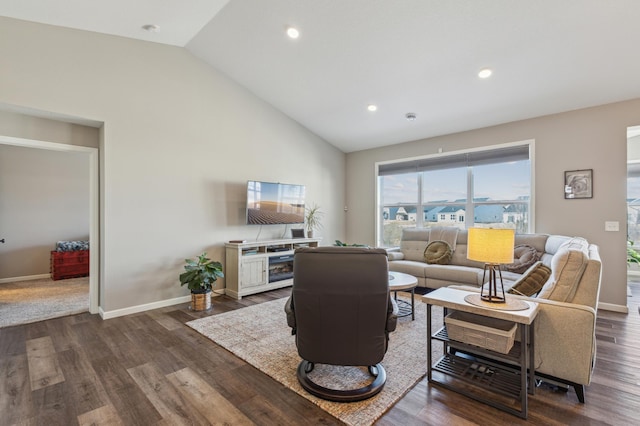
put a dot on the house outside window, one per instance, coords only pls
(489, 187)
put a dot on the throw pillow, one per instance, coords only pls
(533, 281)
(438, 252)
(523, 257)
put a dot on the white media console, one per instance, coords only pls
(257, 266)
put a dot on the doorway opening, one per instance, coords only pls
(633, 210)
(91, 155)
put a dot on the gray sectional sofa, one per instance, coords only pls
(409, 258)
(565, 326)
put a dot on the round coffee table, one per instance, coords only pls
(399, 281)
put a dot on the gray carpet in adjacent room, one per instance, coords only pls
(24, 302)
(259, 335)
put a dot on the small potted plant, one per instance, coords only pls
(313, 217)
(199, 276)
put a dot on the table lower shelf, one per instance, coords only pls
(485, 375)
(492, 378)
(404, 308)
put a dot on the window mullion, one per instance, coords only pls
(419, 207)
(469, 217)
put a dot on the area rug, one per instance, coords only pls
(25, 302)
(259, 335)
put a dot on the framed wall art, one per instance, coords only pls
(578, 184)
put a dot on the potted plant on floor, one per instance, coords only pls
(313, 217)
(199, 276)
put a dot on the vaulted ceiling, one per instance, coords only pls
(404, 56)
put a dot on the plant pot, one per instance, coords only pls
(200, 300)
(310, 233)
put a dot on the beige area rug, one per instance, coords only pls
(259, 335)
(25, 302)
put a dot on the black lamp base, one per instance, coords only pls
(491, 294)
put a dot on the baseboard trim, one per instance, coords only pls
(147, 306)
(141, 308)
(613, 308)
(25, 278)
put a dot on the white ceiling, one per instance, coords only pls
(419, 56)
(179, 20)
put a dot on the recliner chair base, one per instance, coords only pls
(337, 395)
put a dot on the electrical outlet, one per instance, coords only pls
(612, 226)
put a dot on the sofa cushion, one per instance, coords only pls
(448, 234)
(438, 252)
(554, 242)
(411, 267)
(524, 256)
(534, 240)
(413, 250)
(567, 266)
(454, 274)
(532, 281)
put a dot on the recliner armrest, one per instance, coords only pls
(291, 317)
(392, 315)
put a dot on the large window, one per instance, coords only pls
(483, 188)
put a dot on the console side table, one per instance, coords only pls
(492, 375)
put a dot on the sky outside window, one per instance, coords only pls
(446, 184)
(502, 181)
(401, 188)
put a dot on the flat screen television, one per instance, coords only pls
(270, 203)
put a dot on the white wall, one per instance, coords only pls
(178, 144)
(44, 198)
(593, 138)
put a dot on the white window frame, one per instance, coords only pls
(469, 207)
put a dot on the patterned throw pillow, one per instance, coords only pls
(72, 245)
(533, 281)
(438, 252)
(523, 257)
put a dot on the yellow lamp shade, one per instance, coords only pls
(490, 245)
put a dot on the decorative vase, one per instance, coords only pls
(200, 300)
(310, 233)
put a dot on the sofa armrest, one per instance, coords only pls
(565, 340)
(395, 253)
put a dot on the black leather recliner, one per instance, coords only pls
(341, 314)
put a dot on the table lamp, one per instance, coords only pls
(493, 247)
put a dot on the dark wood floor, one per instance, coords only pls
(150, 368)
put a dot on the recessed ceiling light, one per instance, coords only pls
(152, 28)
(485, 73)
(410, 116)
(293, 32)
(372, 107)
